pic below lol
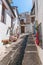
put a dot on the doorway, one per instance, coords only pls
(22, 29)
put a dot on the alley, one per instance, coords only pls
(24, 52)
(31, 55)
(20, 22)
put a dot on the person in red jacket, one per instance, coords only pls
(37, 38)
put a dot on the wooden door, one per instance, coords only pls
(22, 29)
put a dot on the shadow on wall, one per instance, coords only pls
(40, 34)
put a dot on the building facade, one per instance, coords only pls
(7, 19)
(25, 22)
(38, 5)
(16, 22)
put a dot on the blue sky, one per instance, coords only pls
(23, 5)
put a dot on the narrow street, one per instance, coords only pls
(20, 22)
(23, 53)
(31, 55)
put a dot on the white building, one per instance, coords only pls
(25, 21)
(38, 8)
(16, 22)
(40, 17)
(6, 16)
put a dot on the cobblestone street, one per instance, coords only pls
(31, 55)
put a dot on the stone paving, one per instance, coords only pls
(31, 55)
(15, 53)
(23, 53)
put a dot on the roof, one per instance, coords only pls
(10, 7)
(14, 7)
(7, 2)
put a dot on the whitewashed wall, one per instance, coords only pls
(16, 24)
(40, 15)
(40, 11)
(36, 9)
(4, 27)
(15, 10)
(29, 28)
(3, 30)
(0, 9)
(8, 20)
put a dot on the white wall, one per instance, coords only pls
(36, 9)
(15, 11)
(8, 20)
(0, 9)
(3, 30)
(40, 11)
(4, 27)
(29, 28)
(40, 15)
(16, 24)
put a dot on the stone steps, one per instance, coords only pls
(31, 59)
(31, 48)
(31, 55)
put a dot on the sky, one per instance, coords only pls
(23, 5)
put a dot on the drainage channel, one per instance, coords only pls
(18, 57)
